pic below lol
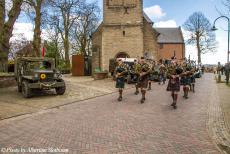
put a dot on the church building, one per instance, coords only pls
(170, 43)
(126, 31)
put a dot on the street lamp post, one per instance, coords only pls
(214, 29)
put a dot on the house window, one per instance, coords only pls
(123, 33)
(161, 46)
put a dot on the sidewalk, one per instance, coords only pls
(224, 95)
(224, 92)
(219, 122)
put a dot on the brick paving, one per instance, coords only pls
(102, 125)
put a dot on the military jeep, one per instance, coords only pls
(37, 74)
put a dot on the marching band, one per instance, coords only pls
(179, 72)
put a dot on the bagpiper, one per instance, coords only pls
(186, 80)
(151, 66)
(137, 71)
(174, 82)
(162, 73)
(120, 71)
(143, 79)
(193, 80)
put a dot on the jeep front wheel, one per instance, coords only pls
(26, 91)
(60, 90)
(19, 88)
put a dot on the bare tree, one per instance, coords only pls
(84, 27)
(17, 43)
(200, 34)
(226, 3)
(6, 28)
(55, 40)
(66, 12)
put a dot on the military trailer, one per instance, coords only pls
(37, 74)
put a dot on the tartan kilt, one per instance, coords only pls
(182, 81)
(185, 81)
(174, 85)
(193, 79)
(143, 83)
(120, 82)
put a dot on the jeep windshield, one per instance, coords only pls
(39, 65)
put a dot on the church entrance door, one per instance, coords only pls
(122, 55)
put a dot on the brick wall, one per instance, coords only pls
(168, 51)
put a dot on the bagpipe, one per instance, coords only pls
(186, 74)
(179, 72)
(122, 72)
(146, 72)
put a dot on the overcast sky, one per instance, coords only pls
(171, 13)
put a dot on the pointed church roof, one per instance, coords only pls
(170, 35)
(147, 18)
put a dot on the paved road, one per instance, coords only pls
(102, 125)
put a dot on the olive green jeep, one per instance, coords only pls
(37, 73)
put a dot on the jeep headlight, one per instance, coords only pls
(43, 76)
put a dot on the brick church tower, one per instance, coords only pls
(126, 31)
